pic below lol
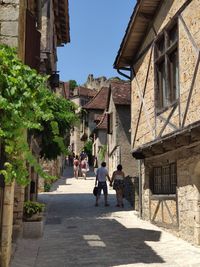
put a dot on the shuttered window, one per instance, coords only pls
(32, 42)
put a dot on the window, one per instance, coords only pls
(164, 179)
(110, 123)
(166, 68)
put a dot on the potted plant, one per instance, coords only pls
(33, 211)
(33, 219)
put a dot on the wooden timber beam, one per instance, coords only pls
(195, 134)
(170, 144)
(183, 140)
(158, 149)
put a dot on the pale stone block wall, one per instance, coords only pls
(188, 192)
(149, 125)
(19, 193)
(6, 239)
(123, 139)
(112, 138)
(9, 14)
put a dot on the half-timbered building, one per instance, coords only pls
(161, 50)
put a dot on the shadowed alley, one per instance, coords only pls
(77, 233)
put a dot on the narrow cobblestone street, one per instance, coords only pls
(77, 233)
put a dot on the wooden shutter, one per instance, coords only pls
(32, 42)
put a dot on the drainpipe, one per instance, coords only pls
(129, 77)
(140, 187)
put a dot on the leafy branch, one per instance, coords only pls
(27, 105)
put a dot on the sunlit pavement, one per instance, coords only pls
(77, 233)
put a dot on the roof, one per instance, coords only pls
(138, 26)
(83, 91)
(97, 117)
(121, 92)
(179, 138)
(99, 101)
(61, 13)
(103, 123)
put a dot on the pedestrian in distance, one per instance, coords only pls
(84, 168)
(102, 174)
(76, 166)
(118, 185)
(95, 165)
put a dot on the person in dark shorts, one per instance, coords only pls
(118, 185)
(101, 175)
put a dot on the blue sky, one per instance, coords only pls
(96, 31)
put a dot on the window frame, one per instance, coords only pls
(168, 179)
(164, 48)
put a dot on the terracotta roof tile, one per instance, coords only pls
(99, 101)
(98, 117)
(103, 123)
(121, 92)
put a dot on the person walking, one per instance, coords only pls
(118, 185)
(76, 166)
(101, 175)
(95, 164)
(84, 168)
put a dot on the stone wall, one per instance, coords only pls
(188, 193)
(149, 124)
(6, 237)
(129, 164)
(187, 199)
(96, 83)
(9, 14)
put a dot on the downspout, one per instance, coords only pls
(132, 74)
(140, 187)
(129, 77)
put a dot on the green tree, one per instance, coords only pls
(28, 105)
(72, 84)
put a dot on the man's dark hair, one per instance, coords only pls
(103, 164)
(119, 167)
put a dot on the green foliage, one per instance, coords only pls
(102, 152)
(72, 84)
(47, 187)
(32, 207)
(88, 147)
(28, 105)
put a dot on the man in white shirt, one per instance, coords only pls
(101, 175)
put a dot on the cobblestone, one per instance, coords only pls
(77, 233)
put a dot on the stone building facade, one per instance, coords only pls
(161, 48)
(119, 122)
(78, 136)
(99, 82)
(21, 27)
(100, 139)
(96, 119)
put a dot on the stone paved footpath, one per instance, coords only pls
(77, 233)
